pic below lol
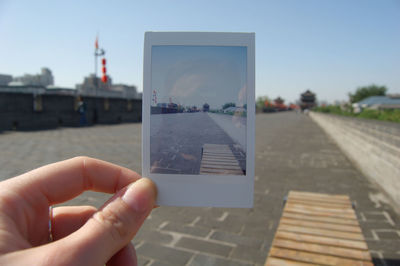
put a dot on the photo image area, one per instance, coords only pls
(198, 113)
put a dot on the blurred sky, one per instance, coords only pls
(194, 75)
(330, 47)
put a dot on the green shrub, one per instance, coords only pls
(384, 115)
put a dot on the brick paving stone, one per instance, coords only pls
(153, 236)
(230, 224)
(249, 254)
(185, 229)
(204, 246)
(159, 263)
(164, 254)
(292, 153)
(237, 239)
(143, 261)
(201, 259)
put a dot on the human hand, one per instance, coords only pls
(81, 235)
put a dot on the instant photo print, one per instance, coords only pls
(198, 117)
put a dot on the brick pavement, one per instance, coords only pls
(292, 152)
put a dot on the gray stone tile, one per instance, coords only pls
(208, 260)
(237, 239)
(164, 254)
(204, 246)
(142, 261)
(249, 254)
(185, 229)
(153, 236)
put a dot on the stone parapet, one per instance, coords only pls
(374, 146)
(30, 111)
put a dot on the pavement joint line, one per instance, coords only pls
(388, 218)
(388, 230)
(209, 234)
(189, 262)
(362, 217)
(271, 224)
(221, 257)
(194, 251)
(138, 245)
(374, 235)
(175, 238)
(195, 220)
(163, 224)
(223, 217)
(180, 235)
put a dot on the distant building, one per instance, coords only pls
(5, 79)
(45, 78)
(127, 91)
(93, 86)
(279, 104)
(307, 100)
(390, 101)
(61, 91)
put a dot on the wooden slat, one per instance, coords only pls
(326, 201)
(314, 258)
(319, 209)
(319, 203)
(318, 195)
(219, 160)
(321, 213)
(221, 166)
(281, 262)
(325, 225)
(205, 171)
(314, 218)
(321, 232)
(354, 244)
(324, 250)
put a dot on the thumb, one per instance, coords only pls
(112, 227)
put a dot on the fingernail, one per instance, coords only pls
(140, 196)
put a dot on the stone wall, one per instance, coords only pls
(374, 146)
(27, 111)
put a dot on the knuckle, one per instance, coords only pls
(115, 222)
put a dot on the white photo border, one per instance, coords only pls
(209, 190)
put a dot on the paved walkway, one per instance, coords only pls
(292, 152)
(177, 140)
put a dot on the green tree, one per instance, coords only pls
(367, 91)
(227, 105)
(260, 102)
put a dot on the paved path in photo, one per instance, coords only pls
(292, 153)
(177, 140)
(234, 126)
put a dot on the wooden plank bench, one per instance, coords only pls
(318, 229)
(218, 159)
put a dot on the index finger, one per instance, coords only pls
(64, 180)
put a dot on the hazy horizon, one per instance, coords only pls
(329, 47)
(194, 75)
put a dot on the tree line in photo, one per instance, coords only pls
(228, 108)
(372, 102)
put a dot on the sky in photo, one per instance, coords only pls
(329, 47)
(194, 75)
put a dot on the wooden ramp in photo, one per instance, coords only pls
(318, 229)
(218, 159)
